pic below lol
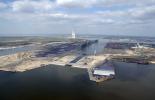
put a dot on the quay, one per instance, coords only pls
(69, 54)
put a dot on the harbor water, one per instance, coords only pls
(132, 82)
(57, 83)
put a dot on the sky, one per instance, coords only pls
(105, 17)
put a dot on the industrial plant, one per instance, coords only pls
(70, 53)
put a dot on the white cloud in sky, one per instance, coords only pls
(144, 13)
(102, 3)
(32, 6)
(2, 5)
(105, 15)
(75, 3)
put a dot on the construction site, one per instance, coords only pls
(100, 66)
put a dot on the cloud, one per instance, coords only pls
(137, 15)
(123, 2)
(2, 5)
(130, 16)
(32, 6)
(75, 3)
(106, 14)
(144, 13)
(102, 3)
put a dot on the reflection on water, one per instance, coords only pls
(88, 50)
(96, 47)
(64, 83)
(8, 51)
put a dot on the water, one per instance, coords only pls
(57, 83)
(96, 48)
(65, 83)
(89, 50)
(16, 50)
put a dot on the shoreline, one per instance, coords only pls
(23, 61)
